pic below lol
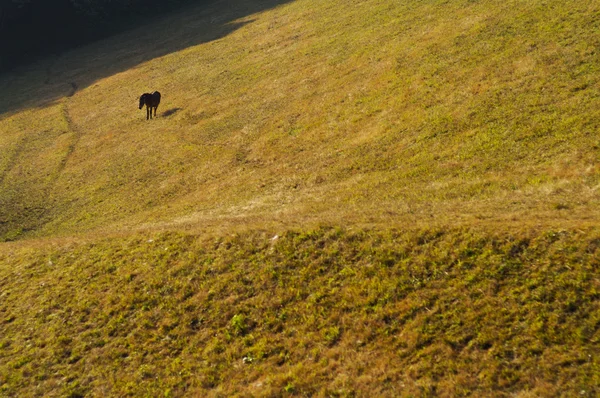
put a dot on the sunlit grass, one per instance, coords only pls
(319, 312)
(450, 147)
(312, 109)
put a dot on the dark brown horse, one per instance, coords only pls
(151, 101)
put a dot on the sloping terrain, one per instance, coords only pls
(378, 198)
(460, 112)
(326, 312)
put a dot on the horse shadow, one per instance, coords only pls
(171, 112)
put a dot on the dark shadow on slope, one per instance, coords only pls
(170, 112)
(55, 77)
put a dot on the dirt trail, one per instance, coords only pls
(72, 129)
(19, 148)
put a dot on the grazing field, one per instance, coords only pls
(376, 198)
(325, 312)
(454, 112)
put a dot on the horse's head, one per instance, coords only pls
(142, 100)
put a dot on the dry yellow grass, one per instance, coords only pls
(383, 112)
(377, 198)
(324, 312)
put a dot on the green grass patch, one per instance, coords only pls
(327, 311)
(452, 145)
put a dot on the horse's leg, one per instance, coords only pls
(155, 108)
(148, 112)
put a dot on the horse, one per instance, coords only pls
(151, 101)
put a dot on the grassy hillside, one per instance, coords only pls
(393, 198)
(326, 312)
(459, 112)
